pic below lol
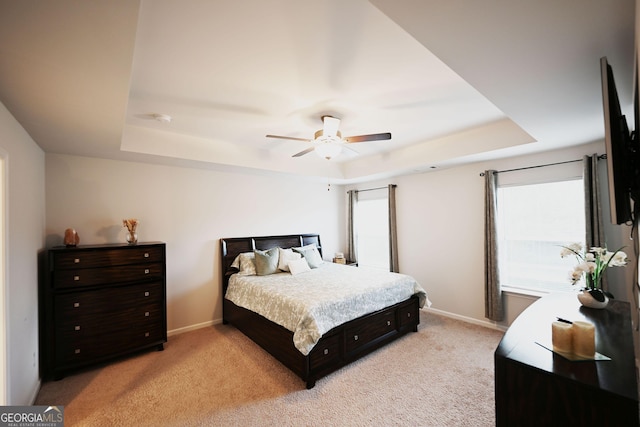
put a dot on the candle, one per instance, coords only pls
(562, 337)
(584, 339)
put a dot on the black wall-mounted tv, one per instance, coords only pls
(621, 150)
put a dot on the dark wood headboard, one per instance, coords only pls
(232, 247)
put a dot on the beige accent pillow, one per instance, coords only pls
(245, 264)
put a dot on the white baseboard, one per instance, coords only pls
(485, 323)
(193, 327)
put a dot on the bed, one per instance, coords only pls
(323, 344)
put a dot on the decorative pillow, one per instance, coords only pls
(311, 254)
(284, 256)
(266, 261)
(245, 264)
(298, 266)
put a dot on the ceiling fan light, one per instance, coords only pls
(328, 150)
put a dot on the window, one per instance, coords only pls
(534, 221)
(372, 229)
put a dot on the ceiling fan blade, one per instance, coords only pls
(302, 153)
(372, 137)
(288, 137)
(331, 125)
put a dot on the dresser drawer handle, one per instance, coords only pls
(388, 322)
(76, 278)
(146, 294)
(146, 334)
(146, 271)
(77, 327)
(146, 313)
(76, 304)
(77, 351)
(408, 314)
(326, 351)
(355, 338)
(76, 260)
(146, 254)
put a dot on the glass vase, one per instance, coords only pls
(132, 237)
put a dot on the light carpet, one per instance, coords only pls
(440, 376)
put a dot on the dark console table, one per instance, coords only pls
(535, 387)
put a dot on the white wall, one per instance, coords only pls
(190, 210)
(24, 162)
(441, 233)
(440, 223)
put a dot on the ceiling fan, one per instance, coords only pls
(328, 141)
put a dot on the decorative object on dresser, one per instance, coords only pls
(333, 348)
(592, 264)
(537, 387)
(71, 237)
(99, 302)
(131, 224)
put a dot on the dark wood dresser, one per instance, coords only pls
(536, 387)
(98, 302)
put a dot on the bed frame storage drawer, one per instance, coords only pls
(327, 350)
(370, 328)
(100, 302)
(407, 315)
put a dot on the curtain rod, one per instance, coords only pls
(371, 189)
(600, 157)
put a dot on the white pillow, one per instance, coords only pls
(245, 264)
(286, 255)
(298, 266)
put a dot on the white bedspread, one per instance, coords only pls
(312, 303)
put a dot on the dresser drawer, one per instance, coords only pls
(326, 351)
(74, 305)
(89, 258)
(76, 277)
(80, 348)
(370, 329)
(118, 319)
